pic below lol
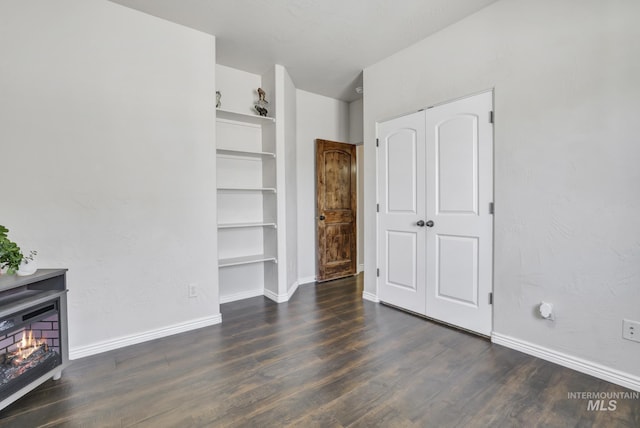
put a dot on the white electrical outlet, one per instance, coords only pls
(193, 290)
(631, 330)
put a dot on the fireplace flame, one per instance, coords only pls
(28, 345)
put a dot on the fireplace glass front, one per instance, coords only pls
(29, 346)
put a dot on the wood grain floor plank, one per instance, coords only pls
(326, 358)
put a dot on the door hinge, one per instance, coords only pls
(377, 208)
(378, 272)
(491, 298)
(491, 116)
(490, 207)
(377, 142)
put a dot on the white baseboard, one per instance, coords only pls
(281, 298)
(121, 342)
(307, 280)
(361, 268)
(370, 297)
(584, 366)
(278, 298)
(239, 296)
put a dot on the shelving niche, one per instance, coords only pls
(247, 204)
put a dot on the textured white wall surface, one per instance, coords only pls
(291, 182)
(238, 90)
(356, 137)
(107, 148)
(325, 44)
(567, 183)
(317, 117)
(355, 122)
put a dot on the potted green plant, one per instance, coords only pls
(10, 254)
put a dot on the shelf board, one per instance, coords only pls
(245, 225)
(247, 189)
(245, 153)
(238, 261)
(244, 117)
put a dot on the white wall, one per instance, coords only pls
(107, 147)
(565, 75)
(238, 89)
(355, 122)
(356, 137)
(291, 182)
(317, 117)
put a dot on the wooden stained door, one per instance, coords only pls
(335, 209)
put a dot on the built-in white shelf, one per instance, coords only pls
(246, 153)
(243, 117)
(246, 225)
(237, 261)
(247, 189)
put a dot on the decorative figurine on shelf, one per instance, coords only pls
(262, 95)
(261, 104)
(218, 102)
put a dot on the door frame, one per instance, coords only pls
(320, 273)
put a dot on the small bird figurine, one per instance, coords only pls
(261, 95)
(261, 104)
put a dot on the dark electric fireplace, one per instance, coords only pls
(33, 331)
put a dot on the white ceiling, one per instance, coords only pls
(324, 44)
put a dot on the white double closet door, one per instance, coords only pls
(435, 223)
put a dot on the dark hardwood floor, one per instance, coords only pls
(327, 359)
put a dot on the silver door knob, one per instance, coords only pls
(430, 223)
(420, 223)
